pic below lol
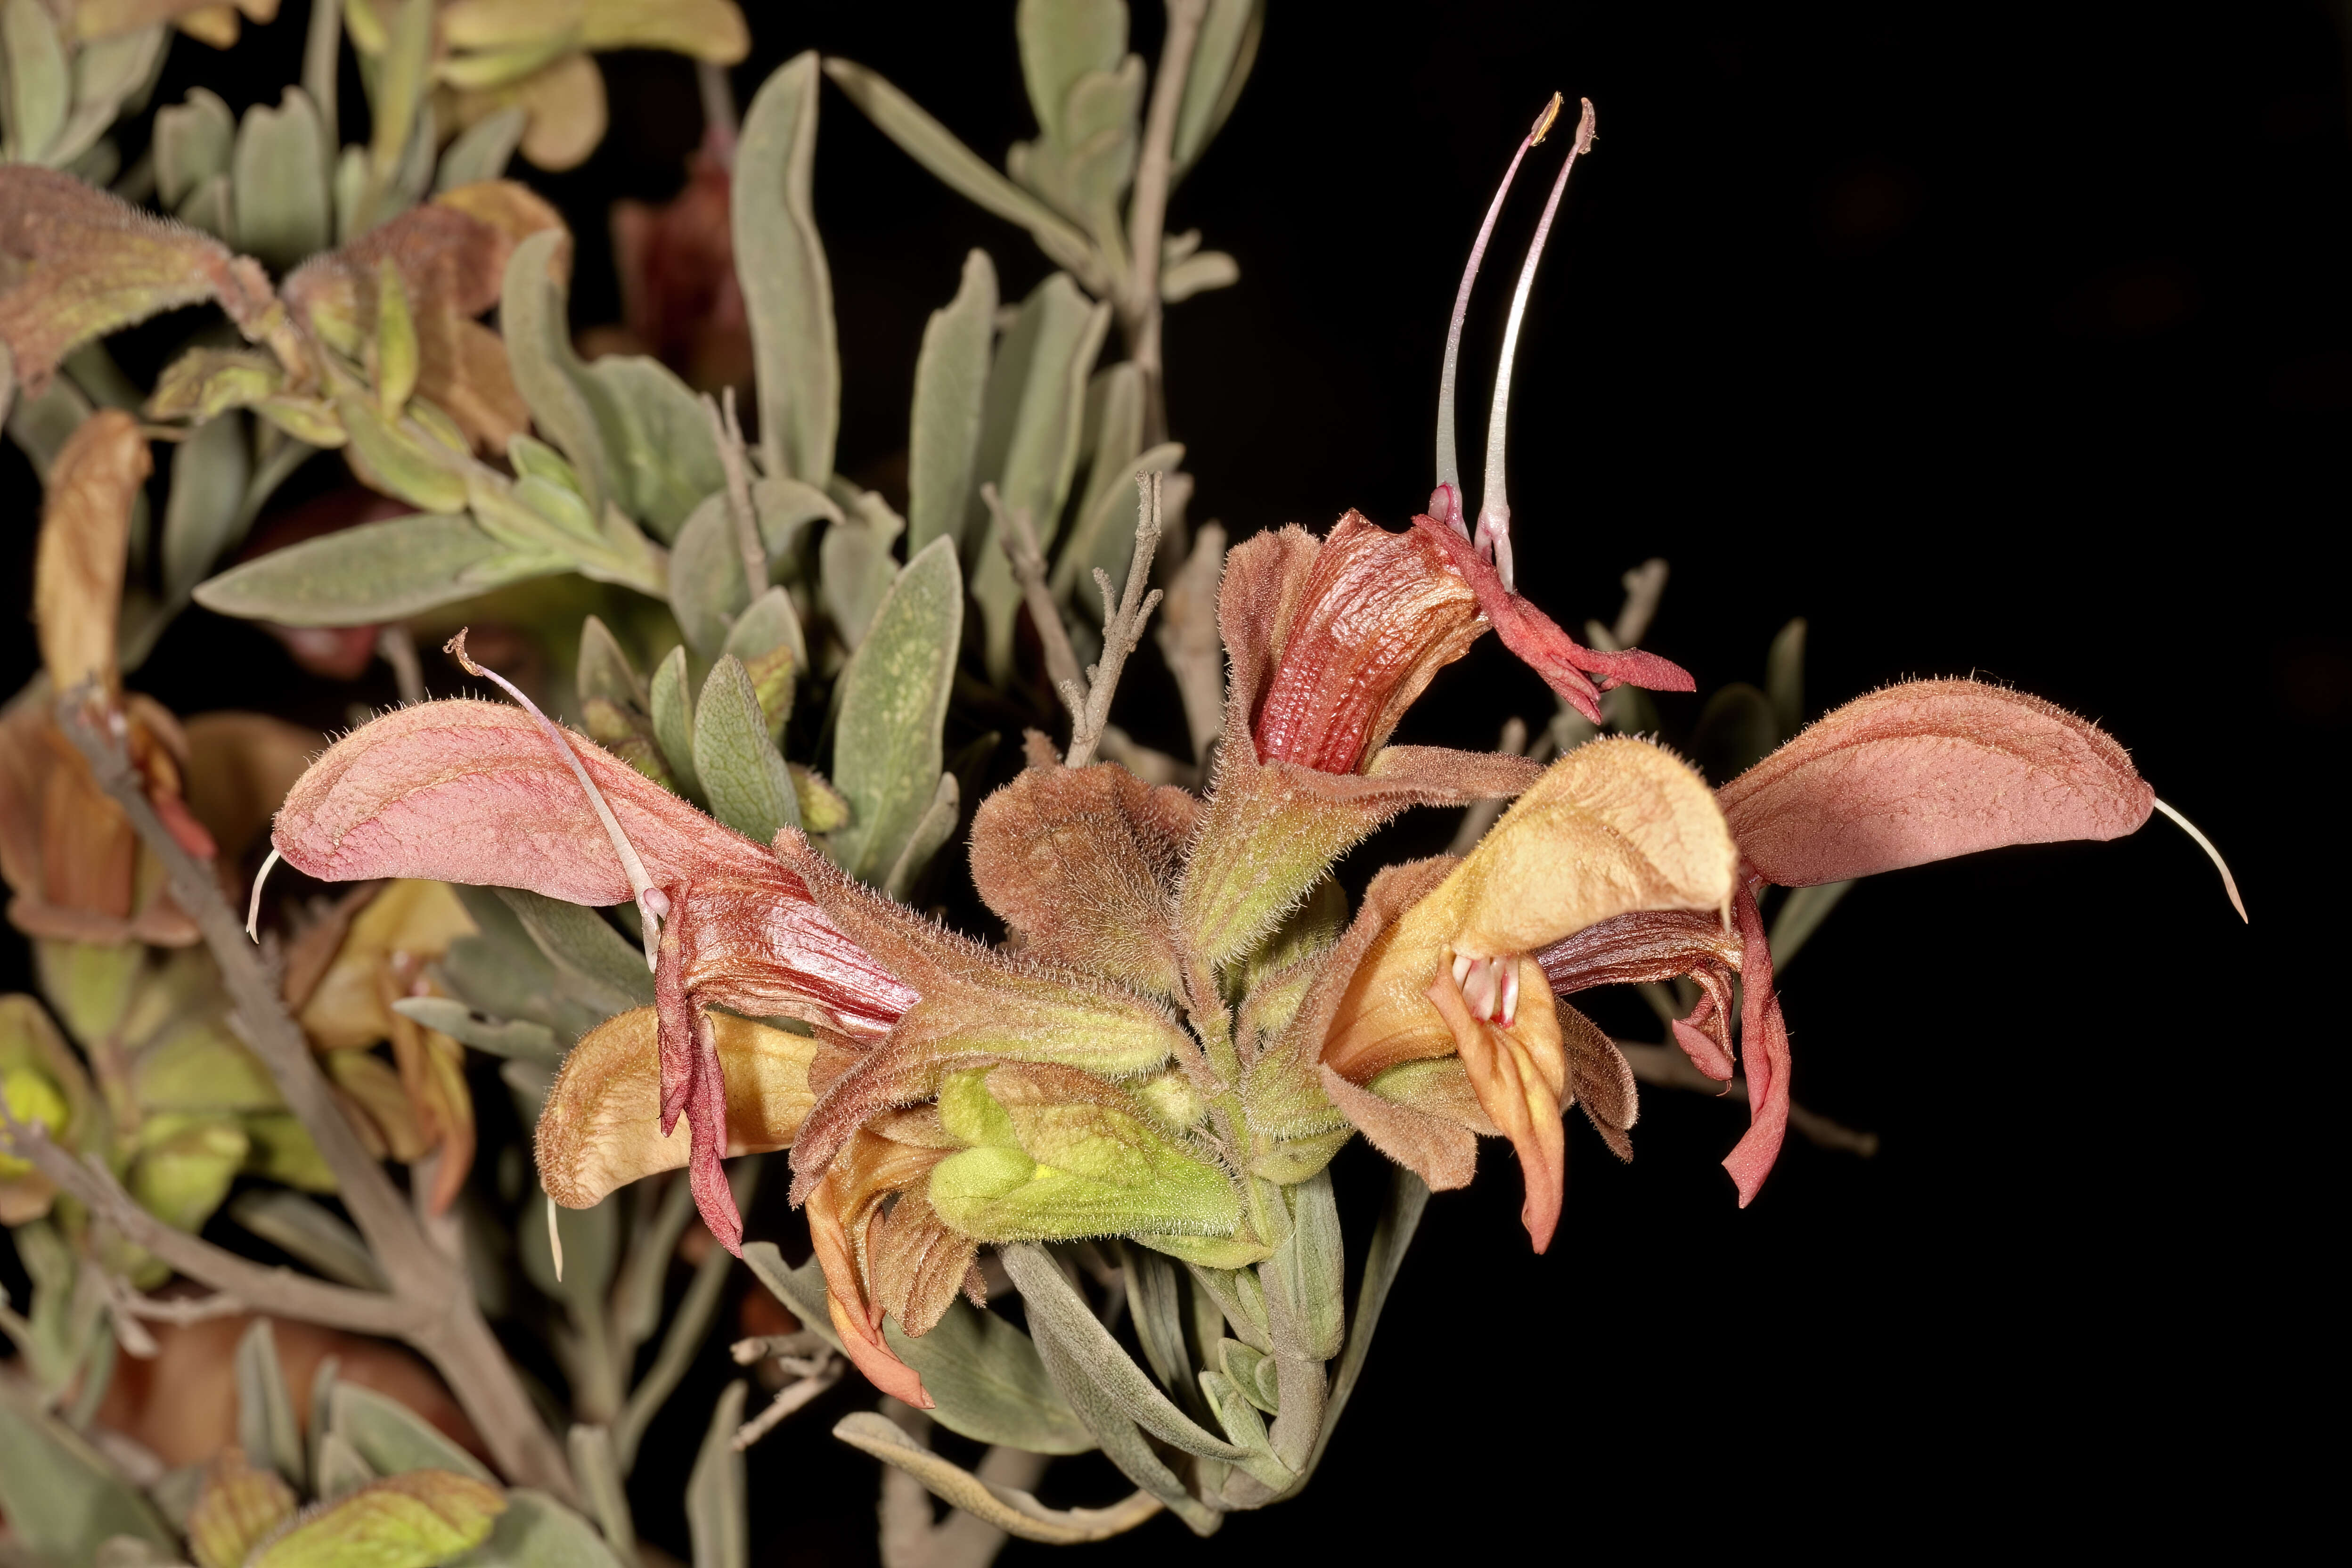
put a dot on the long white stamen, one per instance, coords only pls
(2229, 882)
(1495, 506)
(1510, 1013)
(652, 902)
(554, 1237)
(1449, 470)
(253, 908)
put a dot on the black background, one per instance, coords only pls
(2010, 341)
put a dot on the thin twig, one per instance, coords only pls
(728, 434)
(431, 1306)
(184, 1311)
(1668, 1067)
(761, 1347)
(397, 648)
(1147, 212)
(1018, 535)
(793, 1396)
(1122, 624)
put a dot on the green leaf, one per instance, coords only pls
(376, 571)
(1062, 40)
(741, 772)
(989, 1383)
(182, 1176)
(802, 1289)
(932, 830)
(1243, 1422)
(1305, 1278)
(1057, 1311)
(396, 350)
(856, 566)
(1254, 1373)
(767, 638)
(410, 1521)
(601, 1487)
(533, 320)
(672, 715)
(106, 73)
(1408, 1196)
(203, 517)
(705, 577)
(482, 150)
(537, 1532)
(657, 440)
(1006, 1509)
(717, 1515)
(61, 1496)
(501, 1038)
(192, 144)
(1784, 680)
(935, 147)
(1029, 440)
(392, 1439)
(209, 208)
(951, 383)
(1086, 169)
(785, 507)
(1198, 274)
(396, 92)
(583, 945)
(396, 459)
(787, 292)
(602, 669)
(1123, 1442)
(279, 175)
(40, 89)
(886, 750)
(1155, 1293)
(1221, 65)
(297, 1224)
(265, 1410)
(338, 1469)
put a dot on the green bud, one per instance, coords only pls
(185, 1167)
(35, 1099)
(395, 342)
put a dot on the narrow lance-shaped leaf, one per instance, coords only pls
(717, 1512)
(1061, 41)
(533, 319)
(1221, 65)
(985, 1381)
(887, 749)
(787, 291)
(206, 504)
(376, 571)
(39, 85)
(741, 771)
(951, 383)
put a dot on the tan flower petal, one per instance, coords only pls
(602, 1125)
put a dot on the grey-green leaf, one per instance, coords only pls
(60, 1496)
(307, 1229)
(482, 150)
(265, 1429)
(1800, 914)
(768, 625)
(1304, 1280)
(856, 566)
(1029, 439)
(950, 383)
(1243, 1422)
(341, 1470)
(741, 772)
(989, 1383)
(533, 321)
(376, 571)
(499, 1037)
(192, 142)
(537, 1532)
(1155, 1291)
(583, 943)
(209, 207)
(602, 1488)
(39, 86)
(717, 1513)
(936, 148)
(1062, 40)
(1408, 1196)
(602, 669)
(391, 1438)
(662, 457)
(1784, 680)
(107, 74)
(787, 291)
(280, 173)
(672, 715)
(887, 749)
(707, 591)
(1221, 65)
(1123, 1442)
(203, 518)
(932, 830)
(1058, 1312)
(592, 1253)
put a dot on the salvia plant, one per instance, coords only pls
(696, 925)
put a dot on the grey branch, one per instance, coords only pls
(432, 1304)
(1147, 214)
(1017, 533)
(824, 1373)
(1122, 624)
(1668, 1068)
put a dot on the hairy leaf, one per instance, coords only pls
(376, 571)
(280, 175)
(787, 291)
(192, 144)
(986, 1383)
(894, 696)
(409, 1520)
(202, 519)
(951, 380)
(741, 772)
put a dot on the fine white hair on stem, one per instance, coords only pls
(2228, 883)
(1495, 504)
(652, 902)
(1449, 468)
(253, 905)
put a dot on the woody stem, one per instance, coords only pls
(1147, 212)
(431, 1305)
